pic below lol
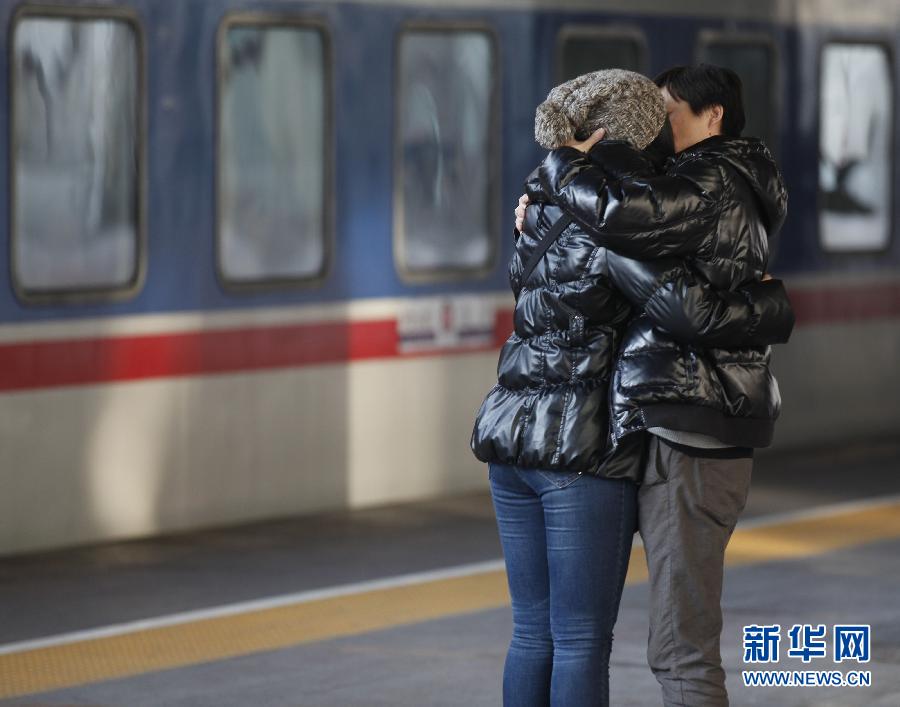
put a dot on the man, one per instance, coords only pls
(719, 203)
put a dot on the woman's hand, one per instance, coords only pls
(520, 212)
(586, 146)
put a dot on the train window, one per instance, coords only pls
(447, 152)
(76, 154)
(856, 106)
(755, 62)
(586, 49)
(272, 152)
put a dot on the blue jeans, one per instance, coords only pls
(566, 540)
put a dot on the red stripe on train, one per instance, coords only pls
(846, 304)
(72, 362)
(50, 364)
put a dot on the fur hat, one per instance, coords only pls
(629, 105)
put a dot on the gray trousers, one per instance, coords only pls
(687, 509)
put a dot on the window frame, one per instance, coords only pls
(886, 44)
(708, 37)
(419, 276)
(602, 31)
(88, 294)
(277, 20)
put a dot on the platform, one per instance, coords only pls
(406, 605)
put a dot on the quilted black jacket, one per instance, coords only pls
(550, 408)
(718, 204)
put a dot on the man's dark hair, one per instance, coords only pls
(707, 85)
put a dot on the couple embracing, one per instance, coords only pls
(636, 383)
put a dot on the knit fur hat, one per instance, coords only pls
(629, 105)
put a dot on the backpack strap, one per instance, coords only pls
(548, 240)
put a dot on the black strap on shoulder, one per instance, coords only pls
(548, 240)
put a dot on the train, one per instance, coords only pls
(254, 260)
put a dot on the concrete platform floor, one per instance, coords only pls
(431, 638)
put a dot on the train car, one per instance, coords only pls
(254, 263)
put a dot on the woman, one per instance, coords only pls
(565, 508)
(564, 495)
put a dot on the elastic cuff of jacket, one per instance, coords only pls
(673, 320)
(665, 284)
(557, 166)
(754, 315)
(567, 154)
(614, 147)
(620, 159)
(773, 317)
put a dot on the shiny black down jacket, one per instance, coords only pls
(718, 204)
(550, 408)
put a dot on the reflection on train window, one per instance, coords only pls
(446, 151)
(856, 117)
(754, 61)
(272, 166)
(586, 49)
(75, 154)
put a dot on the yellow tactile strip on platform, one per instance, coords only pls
(210, 639)
(814, 536)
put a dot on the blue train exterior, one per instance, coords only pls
(181, 294)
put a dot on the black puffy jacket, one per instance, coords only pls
(550, 408)
(718, 204)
